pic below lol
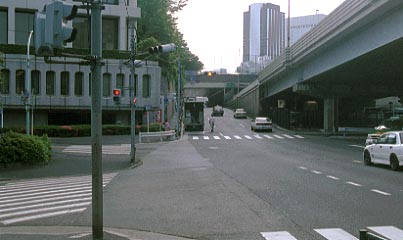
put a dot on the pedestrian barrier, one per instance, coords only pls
(170, 135)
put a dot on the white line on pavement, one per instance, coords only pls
(332, 177)
(354, 184)
(381, 192)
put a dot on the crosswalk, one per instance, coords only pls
(247, 137)
(388, 232)
(27, 200)
(121, 149)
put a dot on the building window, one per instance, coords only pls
(82, 38)
(146, 86)
(5, 81)
(89, 84)
(24, 23)
(110, 30)
(19, 81)
(3, 26)
(64, 83)
(78, 83)
(35, 82)
(50, 83)
(120, 78)
(106, 85)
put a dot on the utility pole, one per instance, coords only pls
(96, 119)
(132, 91)
(179, 126)
(27, 90)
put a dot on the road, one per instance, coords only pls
(230, 184)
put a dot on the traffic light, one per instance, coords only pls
(165, 48)
(116, 96)
(53, 27)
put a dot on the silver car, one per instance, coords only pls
(261, 124)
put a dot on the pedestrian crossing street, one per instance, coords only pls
(387, 232)
(247, 137)
(27, 200)
(121, 149)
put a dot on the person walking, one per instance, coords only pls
(212, 123)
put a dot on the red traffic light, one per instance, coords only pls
(116, 92)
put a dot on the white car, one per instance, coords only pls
(240, 113)
(387, 149)
(261, 124)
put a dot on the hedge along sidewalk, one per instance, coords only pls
(16, 148)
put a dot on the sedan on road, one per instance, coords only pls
(261, 124)
(240, 113)
(387, 150)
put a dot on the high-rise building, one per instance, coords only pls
(263, 33)
(302, 25)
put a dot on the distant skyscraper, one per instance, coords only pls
(302, 25)
(263, 33)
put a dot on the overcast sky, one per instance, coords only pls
(213, 28)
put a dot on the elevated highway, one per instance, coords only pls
(351, 58)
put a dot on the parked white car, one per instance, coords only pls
(240, 113)
(387, 150)
(261, 124)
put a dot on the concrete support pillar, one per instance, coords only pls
(330, 114)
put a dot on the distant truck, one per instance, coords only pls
(194, 113)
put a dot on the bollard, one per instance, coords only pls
(363, 234)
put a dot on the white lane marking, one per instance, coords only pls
(357, 161)
(248, 137)
(34, 211)
(381, 192)
(195, 138)
(277, 236)
(354, 184)
(332, 177)
(279, 137)
(213, 147)
(357, 146)
(216, 137)
(242, 125)
(80, 235)
(391, 232)
(288, 136)
(335, 234)
(257, 136)
(227, 137)
(206, 137)
(27, 218)
(237, 137)
(299, 136)
(267, 136)
(316, 172)
(302, 168)
(13, 204)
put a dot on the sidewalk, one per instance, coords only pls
(80, 232)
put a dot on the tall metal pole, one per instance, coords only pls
(288, 27)
(96, 119)
(179, 126)
(132, 89)
(28, 87)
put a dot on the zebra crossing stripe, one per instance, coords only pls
(389, 232)
(247, 137)
(227, 137)
(44, 215)
(277, 236)
(206, 137)
(257, 136)
(237, 137)
(268, 137)
(216, 137)
(288, 136)
(299, 136)
(195, 138)
(335, 233)
(279, 137)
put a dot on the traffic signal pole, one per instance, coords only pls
(132, 89)
(96, 119)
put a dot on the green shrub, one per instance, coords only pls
(24, 149)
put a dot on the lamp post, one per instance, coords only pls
(28, 87)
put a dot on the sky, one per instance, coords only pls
(213, 29)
